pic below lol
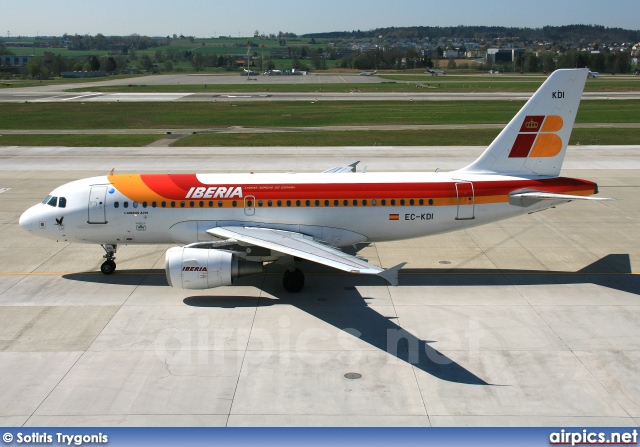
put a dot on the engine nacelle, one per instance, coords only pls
(200, 268)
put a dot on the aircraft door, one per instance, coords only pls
(466, 201)
(249, 205)
(97, 208)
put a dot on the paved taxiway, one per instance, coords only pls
(530, 321)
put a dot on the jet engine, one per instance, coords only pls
(200, 268)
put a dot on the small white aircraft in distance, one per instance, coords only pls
(231, 224)
(369, 73)
(436, 72)
(594, 74)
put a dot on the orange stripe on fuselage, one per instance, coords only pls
(176, 187)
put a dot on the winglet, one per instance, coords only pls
(391, 274)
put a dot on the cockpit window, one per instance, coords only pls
(46, 200)
(53, 201)
(62, 202)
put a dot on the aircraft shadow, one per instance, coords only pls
(357, 318)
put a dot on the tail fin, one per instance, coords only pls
(534, 143)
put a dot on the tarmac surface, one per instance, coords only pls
(529, 321)
(58, 93)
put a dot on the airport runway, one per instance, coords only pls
(58, 93)
(530, 321)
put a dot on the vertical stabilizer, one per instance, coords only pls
(534, 143)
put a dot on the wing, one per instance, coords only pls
(342, 169)
(305, 247)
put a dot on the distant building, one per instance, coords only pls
(280, 53)
(83, 74)
(14, 61)
(504, 55)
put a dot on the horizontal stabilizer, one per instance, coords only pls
(342, 169)
(541, 195)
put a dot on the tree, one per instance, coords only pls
(111, 65)
(198, 61)
(451, 64)
(146, 62)
(94, 63)
(168, 66)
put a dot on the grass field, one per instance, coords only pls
(79, 140)
(423, 86)
(457, 137)
(141, 115)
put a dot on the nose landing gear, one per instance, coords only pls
(109, 266)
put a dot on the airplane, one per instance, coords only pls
(230, 225)
(594, 74)
(436, 72)
(369, 73)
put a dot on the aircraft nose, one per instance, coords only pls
(28, 219)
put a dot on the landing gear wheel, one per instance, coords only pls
(293, 281)
(108, 267)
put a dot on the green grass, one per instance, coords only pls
(222, 114)
(458, 137)
(404, 84)
(79, 140)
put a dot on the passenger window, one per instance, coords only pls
(210, 203)
(335, 203)
(317, 203)
(345, 202)
(220, 204)
(234, 203)
(163, 204)
(411, 202)
(269, 203)
(173, 204)
(182, 204)
(126, 204)
(364, 202)
(288, 202)
(384, 202)
(62, 202)
(430, 201)
(308, 203)
(260, 203)
(326, 203)
(135, 204)
(53, 201)
(373, 202)
(201, 204)
(393, 201)
(297, 203)
(355, 203)
(116, 204)
(249, 203)
(421, 201)
(279, 202)
(192, 204)
(144, 204)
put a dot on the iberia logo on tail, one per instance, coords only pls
(538, 138)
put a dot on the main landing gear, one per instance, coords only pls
(109, 266)
(293, 280)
